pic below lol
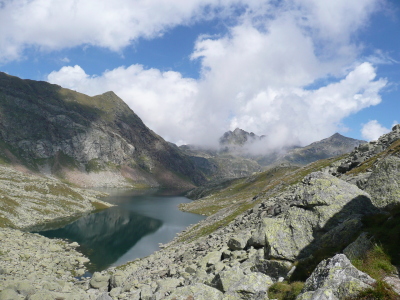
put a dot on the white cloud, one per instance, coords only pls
(255, 77)
(49, 25)
(164, 100)
(373, 130)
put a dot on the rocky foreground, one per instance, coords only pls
(277, 239)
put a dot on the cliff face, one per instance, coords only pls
(87, 140)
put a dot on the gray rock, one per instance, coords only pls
(320, 203)
(384, 182)
(117, 279)
(335, 277)
(238, 242)
(104, 296)
(273, 268)
(251, 286)
(359, 247)
(257, 238)
(99, 281)
(224, 280)
(320, 294)
(42, 295)
(211, 258)
(9, 294)
(146, 293)
(197, 291)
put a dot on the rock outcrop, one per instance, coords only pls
(335, 278)
(28, 200)
(319, 212)
(375, 168)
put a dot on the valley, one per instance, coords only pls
(294, 223)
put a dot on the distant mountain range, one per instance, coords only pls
(234, 157)
(100, 141)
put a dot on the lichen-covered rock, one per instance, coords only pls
(197, 291)
(319, 204)
(252, 286)
(320, 294)
(384, 183)
(273, 268)
(238, 242)
(166, 286)
(10, 294)
(224, 280)
(99, 281)
(335, 277)
(359, 247)
(211, 259)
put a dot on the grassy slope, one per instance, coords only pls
(243, 194)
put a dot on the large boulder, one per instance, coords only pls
(197, 291)
(99, 281)
(384, 183)
(317, 208)
(359, 247)
(335, 278)
(252, 286)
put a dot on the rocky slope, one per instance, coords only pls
(304, 225)
(333, 146)
(28, 200)
(89, 141)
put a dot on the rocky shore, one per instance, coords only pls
(277, 239)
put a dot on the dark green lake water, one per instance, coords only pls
(132, 229)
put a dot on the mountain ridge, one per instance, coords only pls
(74, 136)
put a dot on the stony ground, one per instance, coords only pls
(29, 199)
(274, 239)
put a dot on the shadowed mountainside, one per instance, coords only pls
(89, 141)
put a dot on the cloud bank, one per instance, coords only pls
(287, 69)
(372, 130)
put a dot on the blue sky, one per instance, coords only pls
(294, 70)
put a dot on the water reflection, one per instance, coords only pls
(134, 228)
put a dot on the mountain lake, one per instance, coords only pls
(132, 229)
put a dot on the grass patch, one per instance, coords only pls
(381, 291)
(63, 190)
(99, 205)
(198, 231)
(285, 290)
(375, 262)
(94, 165)
(385, 227)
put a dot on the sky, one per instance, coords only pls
(296, 71)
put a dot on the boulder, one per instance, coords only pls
(318, 205)
(238, 242)
(273, 268)
(359, 247)
(104, 296)
(197, 291)
(99, 281)
(335, 278)
(226, 279)
(251, 286)
(117, 279)
(384, 183)
(210, 259)
(9, 294)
